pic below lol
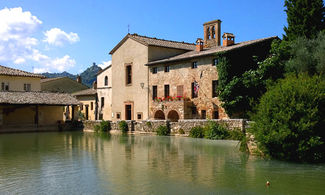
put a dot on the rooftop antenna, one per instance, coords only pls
(128, 28)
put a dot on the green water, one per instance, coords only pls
(85, 163)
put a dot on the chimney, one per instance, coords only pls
(95, 85)
(228, 39)
(212, 33)
(78, 78)
(199, 45)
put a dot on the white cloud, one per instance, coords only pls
(41, 70)
(58, 37)
(105, 64)
(16, 27)
(62, 64)
(18, 46)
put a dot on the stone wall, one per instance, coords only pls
(148, 126)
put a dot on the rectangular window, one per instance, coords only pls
(4, 86)
(214, 88)
(139, 115)
(91, 105)
(166, 89)
(102, 100)
(27, 87)
(154, 92)
(180, 90)
(215, 62)
(154, 70)
(194, 111)
(194, 64)
(215, 114)
(194, 90)
(166, 68)
(203, 114)
(128, 74)
(118, 115)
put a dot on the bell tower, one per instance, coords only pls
(212, 33)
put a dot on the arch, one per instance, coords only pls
(159, 115)
(173, 116)
(106, 81)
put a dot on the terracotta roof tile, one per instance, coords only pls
(152, 41)
(209, 51)
(15, 72)
(45, 98)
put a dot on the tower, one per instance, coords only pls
(212, 33)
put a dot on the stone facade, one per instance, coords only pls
(131, 100)
(182, 74)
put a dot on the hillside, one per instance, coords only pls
(88, 76)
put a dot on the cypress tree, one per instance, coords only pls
(305, 18)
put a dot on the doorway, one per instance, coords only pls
(128, 112)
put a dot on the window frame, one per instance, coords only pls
(27, 87)
(106, 81)
(215, 84)
(166, 90)
(215, 61)
(192, 91)
(167, 68)
(154, 92)
(154, 70)
(128, 74)
(194, 65)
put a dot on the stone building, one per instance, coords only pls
(130, 99)
(161, 79)
(185, 86)
(104, 91)
(24, 107)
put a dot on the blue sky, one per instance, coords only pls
(69, 35)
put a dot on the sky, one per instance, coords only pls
(69, 35)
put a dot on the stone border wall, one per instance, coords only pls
(149, 126)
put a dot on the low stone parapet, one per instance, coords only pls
(147, 126)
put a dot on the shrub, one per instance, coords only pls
(236, 135)
(123, 126)
(162, 130)
(148, 123)
(105, 126)
(181, 131)
(290, 119)
(196, 132)
(215, 131)
(96, 128)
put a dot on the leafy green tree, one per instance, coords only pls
(307, 55)
(290, 119)
(305, 18)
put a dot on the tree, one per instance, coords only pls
(305, 18)
(290, 119)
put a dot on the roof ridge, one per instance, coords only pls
(22, 71)
(183, 42)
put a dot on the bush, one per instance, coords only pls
(104, 126)
(215, 131)
(123, 126)
(162, 130)
(196, 132)
(96, 128)
(236, 135)
(290, 119)
(181, 131)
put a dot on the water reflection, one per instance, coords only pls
(119, 164)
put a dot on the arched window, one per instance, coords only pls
(106, 80)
